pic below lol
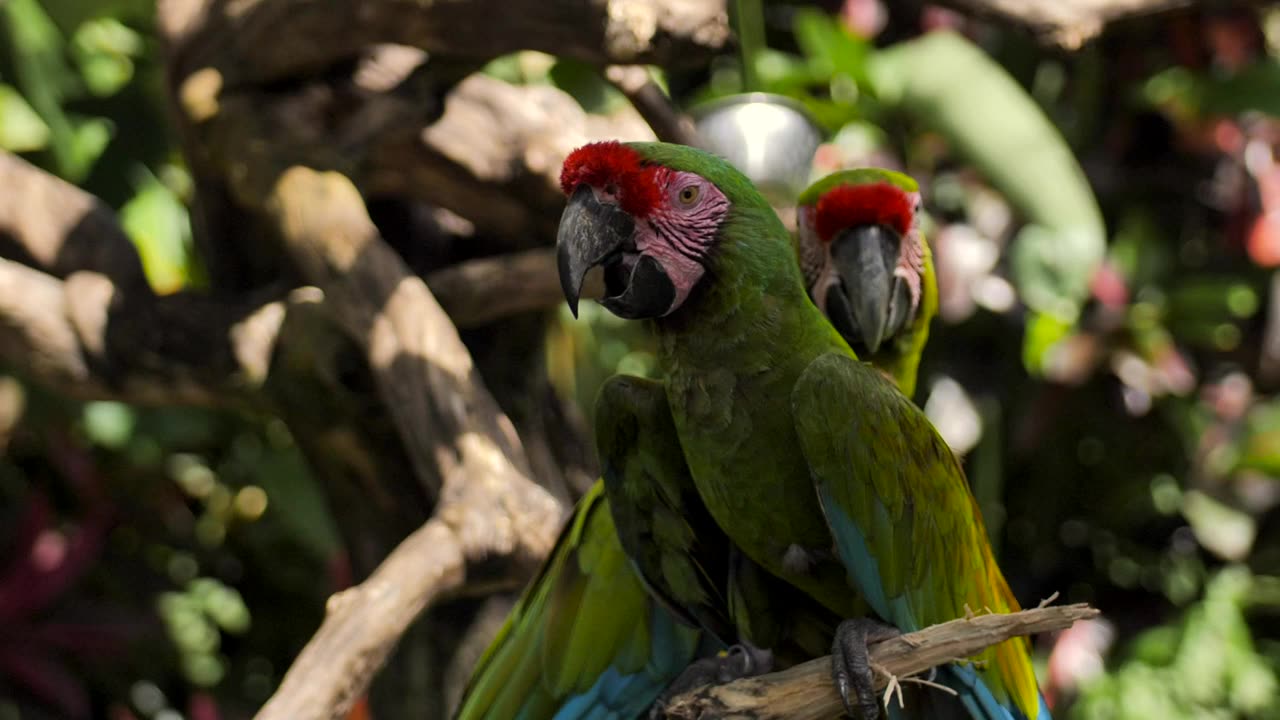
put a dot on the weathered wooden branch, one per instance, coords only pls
(264, 40)
(363, 623)
(669, 123)
(452, 430)
(508, 188)
(105, 335)
(1068, 23)
(805, 692)
(480, 291)
(53, 226)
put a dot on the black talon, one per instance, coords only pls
(851, 664)
(739, 661)
(742, 661)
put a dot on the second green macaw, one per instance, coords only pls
(587, 640)
(817, 468)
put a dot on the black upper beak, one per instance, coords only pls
(876, 301)
(600, 233)
(590, 232)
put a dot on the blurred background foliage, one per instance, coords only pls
(1106, 225)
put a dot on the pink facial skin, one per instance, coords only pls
(681, 230)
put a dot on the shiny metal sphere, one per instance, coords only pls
(770, 138)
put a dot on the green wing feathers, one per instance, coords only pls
(679, 551)
(584, 614)
(900, 509)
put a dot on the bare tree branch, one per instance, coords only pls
(509, 188)
(481, 291)
(1068, 23)
(667, 121)
(87, 339)
(264, 40)
(451, 428)
(55, 227)
(805, 692)
(80, 331)
(34, 330)
(362, 624)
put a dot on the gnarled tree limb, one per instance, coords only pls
(104, 335)
(669, 123)
(1068, 23)
(508, 188)
(805, 692)
(362, 625)
(451, 428)
(55, 227)
(264, 40)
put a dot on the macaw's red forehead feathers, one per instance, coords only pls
(869, 204)
(617, 170)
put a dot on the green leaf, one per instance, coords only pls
(109, 424)
(1043, 332)
(105, 49)
(45, 79)
(829, 48)
(948, 84)
(1260, 449)
(89, 137)
(21, 129)
(1046, 268)
(159, 225)
(1256, 87)
(1223, 530)
(587, 86)
(782, 73)
(296, 502)
(1139, 249)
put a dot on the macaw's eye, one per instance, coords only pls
(689, 194)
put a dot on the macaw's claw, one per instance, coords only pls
(851, 664)
(739, 661)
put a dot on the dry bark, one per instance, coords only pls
(1068, 23)
(805, 692)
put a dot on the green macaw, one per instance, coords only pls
(868, 267)
(530, 672)
(819, 470)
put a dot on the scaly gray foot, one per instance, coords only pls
(739, 661)
(851, 664)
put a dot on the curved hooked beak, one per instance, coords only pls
(874, 298)
(601, 233)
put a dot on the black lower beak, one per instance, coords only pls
(590, 233)
(876, 300)
(594, 233)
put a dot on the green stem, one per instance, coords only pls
(748, 22)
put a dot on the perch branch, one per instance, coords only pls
(263, 40)
(805, 692)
